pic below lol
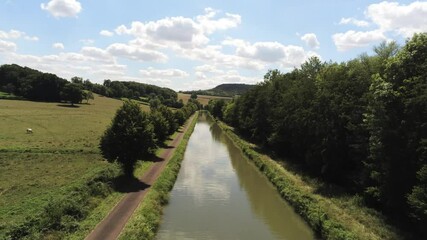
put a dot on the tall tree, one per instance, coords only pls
(129, 137)
(72, 93)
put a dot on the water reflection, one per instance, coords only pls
(219, 195)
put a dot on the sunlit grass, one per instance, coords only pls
(61, 154)
(203, 99)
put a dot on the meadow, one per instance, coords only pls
(203, 99)
(61, 154)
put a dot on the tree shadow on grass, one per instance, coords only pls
(126, 184)
(67, 106)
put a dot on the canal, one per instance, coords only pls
(221, 195)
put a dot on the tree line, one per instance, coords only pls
(38, 86)
(135, 134)
(361, 124)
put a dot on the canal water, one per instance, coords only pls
(221, 195)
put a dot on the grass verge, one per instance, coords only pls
(340, 217)
(146, 218)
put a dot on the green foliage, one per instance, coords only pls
(146, 219)
(129, 137)
(361, 124)
(62, 215)
(225, 90)
(30, 84)
(87, 95)
(161, 126)
(72, 93)
(327, 219)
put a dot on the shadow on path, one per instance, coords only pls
(125, 184)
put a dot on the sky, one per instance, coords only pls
(190, 45)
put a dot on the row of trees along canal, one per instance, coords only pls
(361, 124)
(135, 134)
(38, 86)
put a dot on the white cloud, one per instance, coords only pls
(106, 33)
(207, 68)
(136, 53)
(352, 39)
(210, 25)
(58, 46)
(403, 19)
(62, 8)
(163, 73)
(311, 40)
(359, 23)
(15, 34)
(97, 54)
(87, 41)
(209, 81)
(181, 32)
(6, 46)
(269, 52)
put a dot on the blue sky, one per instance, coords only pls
(195, 44)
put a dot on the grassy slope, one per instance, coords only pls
(60, 154)
(332, 216)
(203, 99)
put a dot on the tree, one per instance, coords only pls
(129, 137)
(161, 125)
(193, 96)
(72, 93)
(87, 95)
(77, 80)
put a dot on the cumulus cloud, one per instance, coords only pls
(403, 19)
(181, 31)
(310, 40)
(204, 81)
(210, 25)
(15, 34)
(163, 73)
(87, 41)
(58, 46)
(359, 23)
(97, 54)
(352, 39)
(269, 52)
(62, 8)
(207, 68)
(6, 46)
(389, 17)
(106, 33)
(135, 53)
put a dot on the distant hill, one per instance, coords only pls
(25, 83)
(226, 90)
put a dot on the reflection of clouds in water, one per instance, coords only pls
(206, 178)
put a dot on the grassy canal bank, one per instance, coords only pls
(146, 219)
(331, 216)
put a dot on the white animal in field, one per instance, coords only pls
(29, 130)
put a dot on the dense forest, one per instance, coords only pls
(224, 90)
(360, 124)
(35, 85)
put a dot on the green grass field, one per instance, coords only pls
(61, 153)
(203, 99)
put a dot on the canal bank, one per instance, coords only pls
(219, 194)
(145, 220)
(331, 217)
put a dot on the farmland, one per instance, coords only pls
(61, 153)
(203, 99)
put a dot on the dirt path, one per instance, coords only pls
(111, 226)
